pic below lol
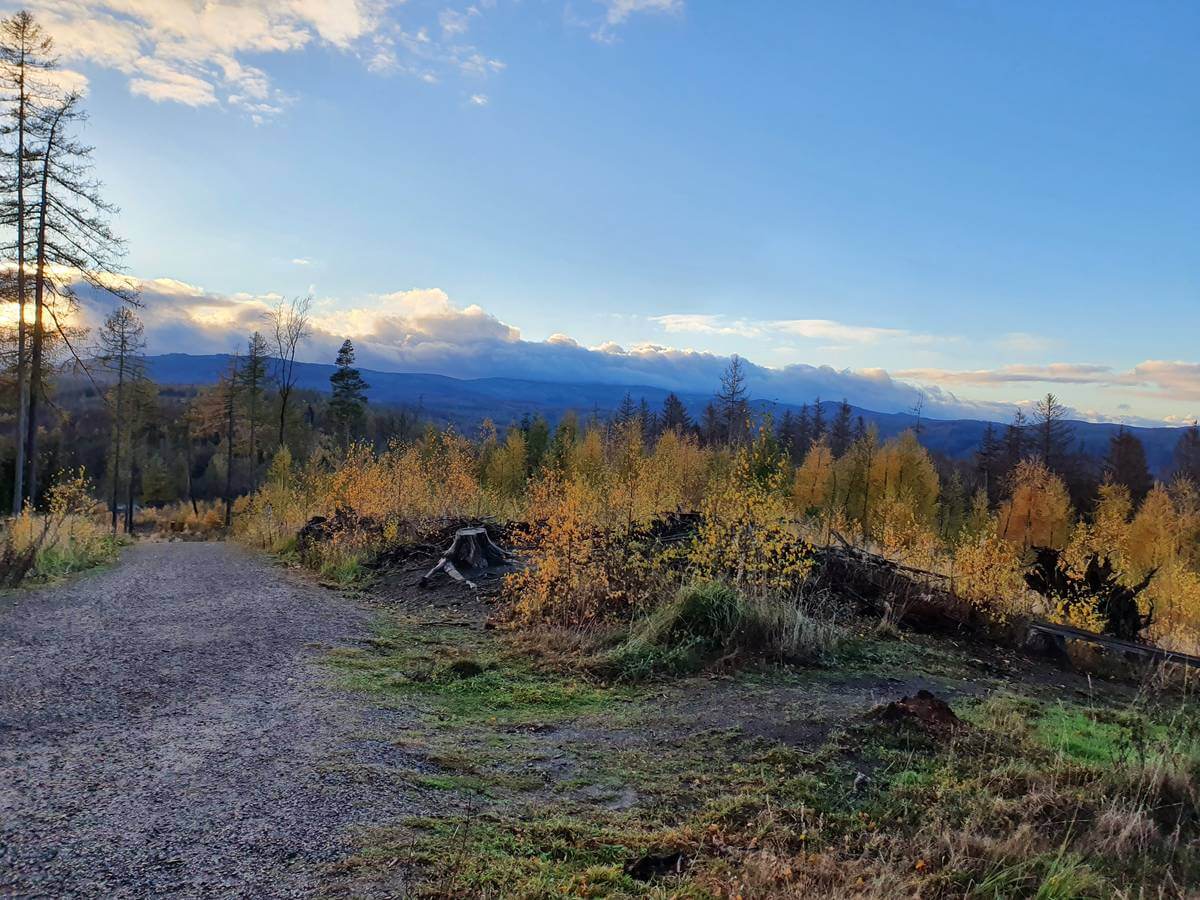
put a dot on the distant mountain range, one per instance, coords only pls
(467, 402)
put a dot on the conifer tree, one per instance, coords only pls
(1052, 433)
(627, 411)
(818, 420)
(840, 434)
(1126, 464)
(349, 394)
(1187, 454)
(674, 415)
(73, 240)
(537, 442)
(710, 424)
(228, 388)
(804, 430)
(785, 433)
(1015, 445)
(988, 461)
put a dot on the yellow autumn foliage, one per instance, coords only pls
(591, 501)
(1038, 512)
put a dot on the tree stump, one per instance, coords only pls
(472, 550)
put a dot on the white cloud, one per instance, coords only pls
(619, 11)
(812, 329)
(195, 53)
(1024, 342)
(199, 53)
(454, 22)
(1152, 378)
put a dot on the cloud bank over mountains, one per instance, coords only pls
(423, 331)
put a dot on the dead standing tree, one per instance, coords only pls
(290, 326)
(74, 244)
(25, 51)
(121, 343)
(251, 379)
(229, 387)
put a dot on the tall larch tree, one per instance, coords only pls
(1052, 434)
(733, 402)
(73, 244)
(121, 341)
(26, 52)
(290, 327)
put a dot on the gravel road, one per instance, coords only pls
(164, 731)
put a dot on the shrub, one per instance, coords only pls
(69, 536)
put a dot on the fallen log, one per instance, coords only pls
(1052, 638)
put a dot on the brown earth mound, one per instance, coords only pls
(925, 710)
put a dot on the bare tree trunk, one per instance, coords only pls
(22, 339)
(253, 428)
(129, 495)
(229, 450)
(189, 462)
(284, 393)
(116, 474)
(39, 326)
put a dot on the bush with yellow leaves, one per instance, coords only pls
(748, 536)
(988, 571)
(592, 554)
(71, 535)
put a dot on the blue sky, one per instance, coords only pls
(982, 201)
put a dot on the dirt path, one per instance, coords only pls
(163, 730)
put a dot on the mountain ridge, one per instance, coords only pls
(465, 402)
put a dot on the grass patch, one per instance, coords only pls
(478, 683)
(1029, 799)
(707, 620)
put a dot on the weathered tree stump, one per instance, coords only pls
(472, 550)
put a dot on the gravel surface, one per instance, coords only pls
(164, 731)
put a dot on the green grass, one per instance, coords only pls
(705, 620)
(411, 662)
(70, 557)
